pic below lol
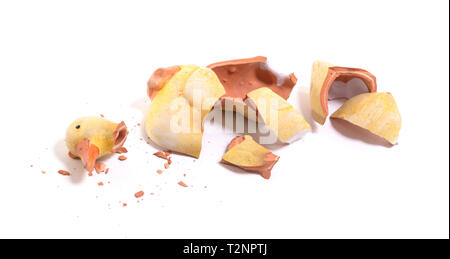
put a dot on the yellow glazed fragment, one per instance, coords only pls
(324, 74)
(376, 112)
(319, 73)
(181, 99)
(245, 153)
(280, 117)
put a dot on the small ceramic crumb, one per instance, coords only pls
(122, 158)
(43, 172)
(121, 150)
(124, 205)
(63, 172)
(107, 171)
(166, 165)
(163, 155)
(159, 171)
(182, 184)
(100, 167)
(139, 194)
(100, 184)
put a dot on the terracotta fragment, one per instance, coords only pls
(376, 112)
(323, 76)
(241, 76)
(162, 155)
(139, 194)
(245, 153)
(63, 172)
(182, 184)
(100, 167)
(121, 150)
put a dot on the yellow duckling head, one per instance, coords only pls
(90, 138)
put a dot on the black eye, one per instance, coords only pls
(78, 127)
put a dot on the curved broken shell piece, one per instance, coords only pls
(323, 76)
(281, 118)
(178, 109)
(241, 76)
(376, 112)
(245, 153)
(120, 136)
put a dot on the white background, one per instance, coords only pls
(60, 60)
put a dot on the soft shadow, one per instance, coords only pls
(146, 138)
(143, 105)
(237, 170)
(353, 131)
(74, 166)
(305, 108)
(347, 90)
(255, 132)
(260, 134)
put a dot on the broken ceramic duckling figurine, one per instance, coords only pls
(90, 138)
(175, 120)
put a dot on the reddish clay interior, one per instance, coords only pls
(120, 135)
(242, 76)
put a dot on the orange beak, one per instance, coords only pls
(88, 153)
